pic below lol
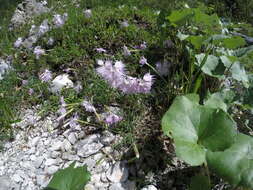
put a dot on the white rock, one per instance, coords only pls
(88, 187)
(35, 141)
(51, 169)
(107, 138)
(5, 183)
(68, 156)
(60, 82)
(41, 180)
(72, 138)
(149, 187)
(55, 154)
(66, 146)
(50, 162)
(118, 172)
(89, 146)
(16, 178)
(38, 162)
(56, 145)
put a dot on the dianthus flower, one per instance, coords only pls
(46, 76)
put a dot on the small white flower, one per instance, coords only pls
(88, 13)
(124, 24)
(50, 41)
(101, 50)
(32, 30)
(44, 2)
(126, 51)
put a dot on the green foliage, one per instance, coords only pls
(195, 19)
(70, 178)
(221, 100)
(196, 128)
(198, 132)
(236, 163)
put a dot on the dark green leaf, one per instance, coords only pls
(70, 178)
(200, 182)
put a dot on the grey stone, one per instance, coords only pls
(5, 183)
(72, 138)
(16, 178)
(50, 162)
(66, 146)
(107, 138)
(51, 169)
(56, 145)
(118, 172)
(55, 154)
(68, 156)
(89, 146)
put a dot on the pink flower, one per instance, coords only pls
(46, 76)
(73, 123)
(38, 52)
(24, 82)
(18, 42)
(60, 20)
(115, 75)
(30, 91)
(143, 61)
(112, 119)
(43, 28)
(88, 106)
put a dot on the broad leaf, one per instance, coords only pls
(236, 163)
(196, 128)
(210, 64)
(236, 69)
(239, 73)
(233, 42)
(70, 178)
(180, 17)
(220, 100)
(196, 41)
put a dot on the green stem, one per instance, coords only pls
(150, 66)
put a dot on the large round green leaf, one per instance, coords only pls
(196, 128)
(236, 163)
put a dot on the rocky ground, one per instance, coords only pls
(39, 149)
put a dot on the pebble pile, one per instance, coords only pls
(40, 149)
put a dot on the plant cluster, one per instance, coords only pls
(202, 129)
